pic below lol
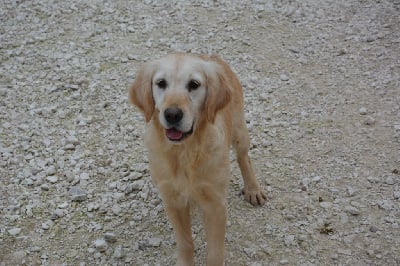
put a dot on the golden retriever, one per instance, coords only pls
(193, 105)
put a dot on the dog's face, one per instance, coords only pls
(178, 91)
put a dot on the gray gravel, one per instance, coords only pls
(322, 94)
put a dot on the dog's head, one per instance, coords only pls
(180, 90)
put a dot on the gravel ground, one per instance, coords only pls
(322, 88)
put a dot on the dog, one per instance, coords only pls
(193, 106)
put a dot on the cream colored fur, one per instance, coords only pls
(195, 169)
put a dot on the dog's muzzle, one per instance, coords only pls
(173, 116)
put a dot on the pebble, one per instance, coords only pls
(370, 253)
(116, 209)
(69, 147)
(325, 204)
(51, 171)
(135, 176)
(350, 192)
(91, 250)
(362, 111)
(344, 251)
(389, 219)
(316, 178)
(138, 185)
(36, 249)
(284, 77)
(110, 237)
(52, 179)
(92, 206)
(290, 240)
(46, 225)
(352, 210)
(3, 92)
(344, 218)
(44, 187)
(14, 231)
(28, 182)
(77, 194)
(58, 213)
(371, 38)
(100, 245)
(84, 176)
(63, 205)
(389, 180)
(154, 242)
(373, 229)
(306, 181)
(369, 121)
(118, 252)
(284, 261)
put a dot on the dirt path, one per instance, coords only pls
(322, 90)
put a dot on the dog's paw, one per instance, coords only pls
(256, 197)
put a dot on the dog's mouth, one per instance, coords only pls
(176, 135)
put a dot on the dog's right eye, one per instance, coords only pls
(162, 84)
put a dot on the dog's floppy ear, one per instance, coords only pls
(140, 93)
(218, 89)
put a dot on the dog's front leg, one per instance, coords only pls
(181, 223)
(213, 205)
(215, 222)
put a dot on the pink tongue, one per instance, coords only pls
(174, 134)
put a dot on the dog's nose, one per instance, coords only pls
(173, 115)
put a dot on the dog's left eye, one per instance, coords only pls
(193, 85)
(162, 84)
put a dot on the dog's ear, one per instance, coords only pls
(218, 89)
(140, 93)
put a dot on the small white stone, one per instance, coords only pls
(63, 205)
(325, 204)
(389, 180)
(110, 237)
(305, 181)
(344, 251)
(316, 178)
(101, 245)
(47, 225)
(69, 147)
(77, 194)
(352, 210)
(14, 231)
(369, 121)
(118, 252)
(154, 241)
(44, 187)
(284, 77)
(362, 111)
(92, 207)
(51, 171)
(52, 179)
(84, 176)
(138, 185)
(396, 194)
(59, 213)
(283, 261)
(28, 182)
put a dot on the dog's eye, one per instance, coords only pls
(162, 84)
(193, 85)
